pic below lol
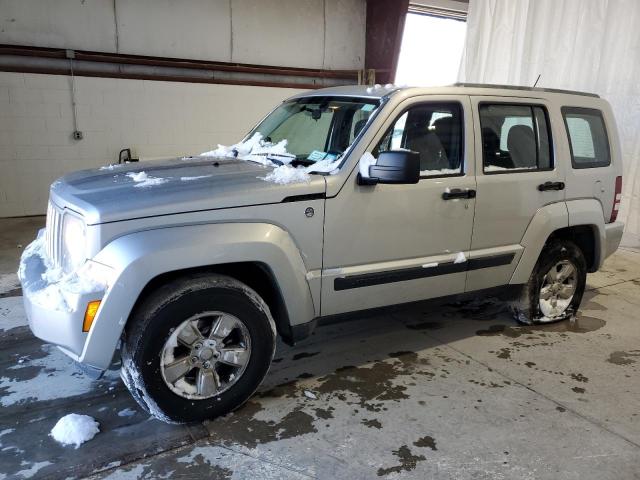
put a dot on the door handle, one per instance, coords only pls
(458, 193)
(551, 186)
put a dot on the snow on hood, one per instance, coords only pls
(256, 149)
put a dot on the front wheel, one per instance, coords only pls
(197, 348)
(556, 285)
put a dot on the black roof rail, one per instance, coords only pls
(526, 89)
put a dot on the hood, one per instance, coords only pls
(135, 190)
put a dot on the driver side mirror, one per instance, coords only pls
(395, 167)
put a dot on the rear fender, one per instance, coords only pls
(546, 220)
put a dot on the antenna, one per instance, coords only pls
(534, 85)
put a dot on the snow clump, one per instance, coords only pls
(256, 149)
(74, 429)
(144, 180)
(60, 288)
(460, 258)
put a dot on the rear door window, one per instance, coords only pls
(587, 137)
(515, 138)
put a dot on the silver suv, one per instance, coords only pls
(340, 200)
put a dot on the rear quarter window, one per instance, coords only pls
(588, 139)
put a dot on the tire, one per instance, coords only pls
(557, 254)
(155, 341)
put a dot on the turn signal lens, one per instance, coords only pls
(90, 314)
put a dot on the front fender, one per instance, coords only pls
(139, 257)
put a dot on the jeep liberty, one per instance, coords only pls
(341, 199)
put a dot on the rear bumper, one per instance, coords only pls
(613, 235)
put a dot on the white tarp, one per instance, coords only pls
(587, 45)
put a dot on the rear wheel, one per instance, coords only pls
(556, 285)
(197, 348)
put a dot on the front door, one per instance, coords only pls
(516, 175)
(389, 244)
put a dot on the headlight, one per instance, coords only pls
(73, 243)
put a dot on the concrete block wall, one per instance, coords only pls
(326, 34)
(155, 119)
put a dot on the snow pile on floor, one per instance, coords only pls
(144, 180)
(48, 374)
(127, 412)
(12, 314)
(8, 282)
(74, 429)
(59, 288)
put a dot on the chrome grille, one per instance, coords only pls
(53, 235)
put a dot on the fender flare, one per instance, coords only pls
(548, 219)
(588, 212)
(140, 257)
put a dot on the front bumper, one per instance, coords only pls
(55, 312)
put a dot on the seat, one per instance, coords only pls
(521, 144)
(420, 139)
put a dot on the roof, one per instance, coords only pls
(381, 91)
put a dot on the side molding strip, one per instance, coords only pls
(414, 273)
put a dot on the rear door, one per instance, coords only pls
(517, 173)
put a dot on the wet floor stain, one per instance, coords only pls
(299, 356)
(16, 292)
(368, 387)
(581, 324)
(408, 461)
(364, 386)
(504, 353)
(194, 466)
(427, 442)
(483, 309)
(624, 358)
(243, 428)
(372, 423)
(591, 305)
(578, 377)
(324, 413)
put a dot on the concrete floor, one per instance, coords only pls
(454, 391)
